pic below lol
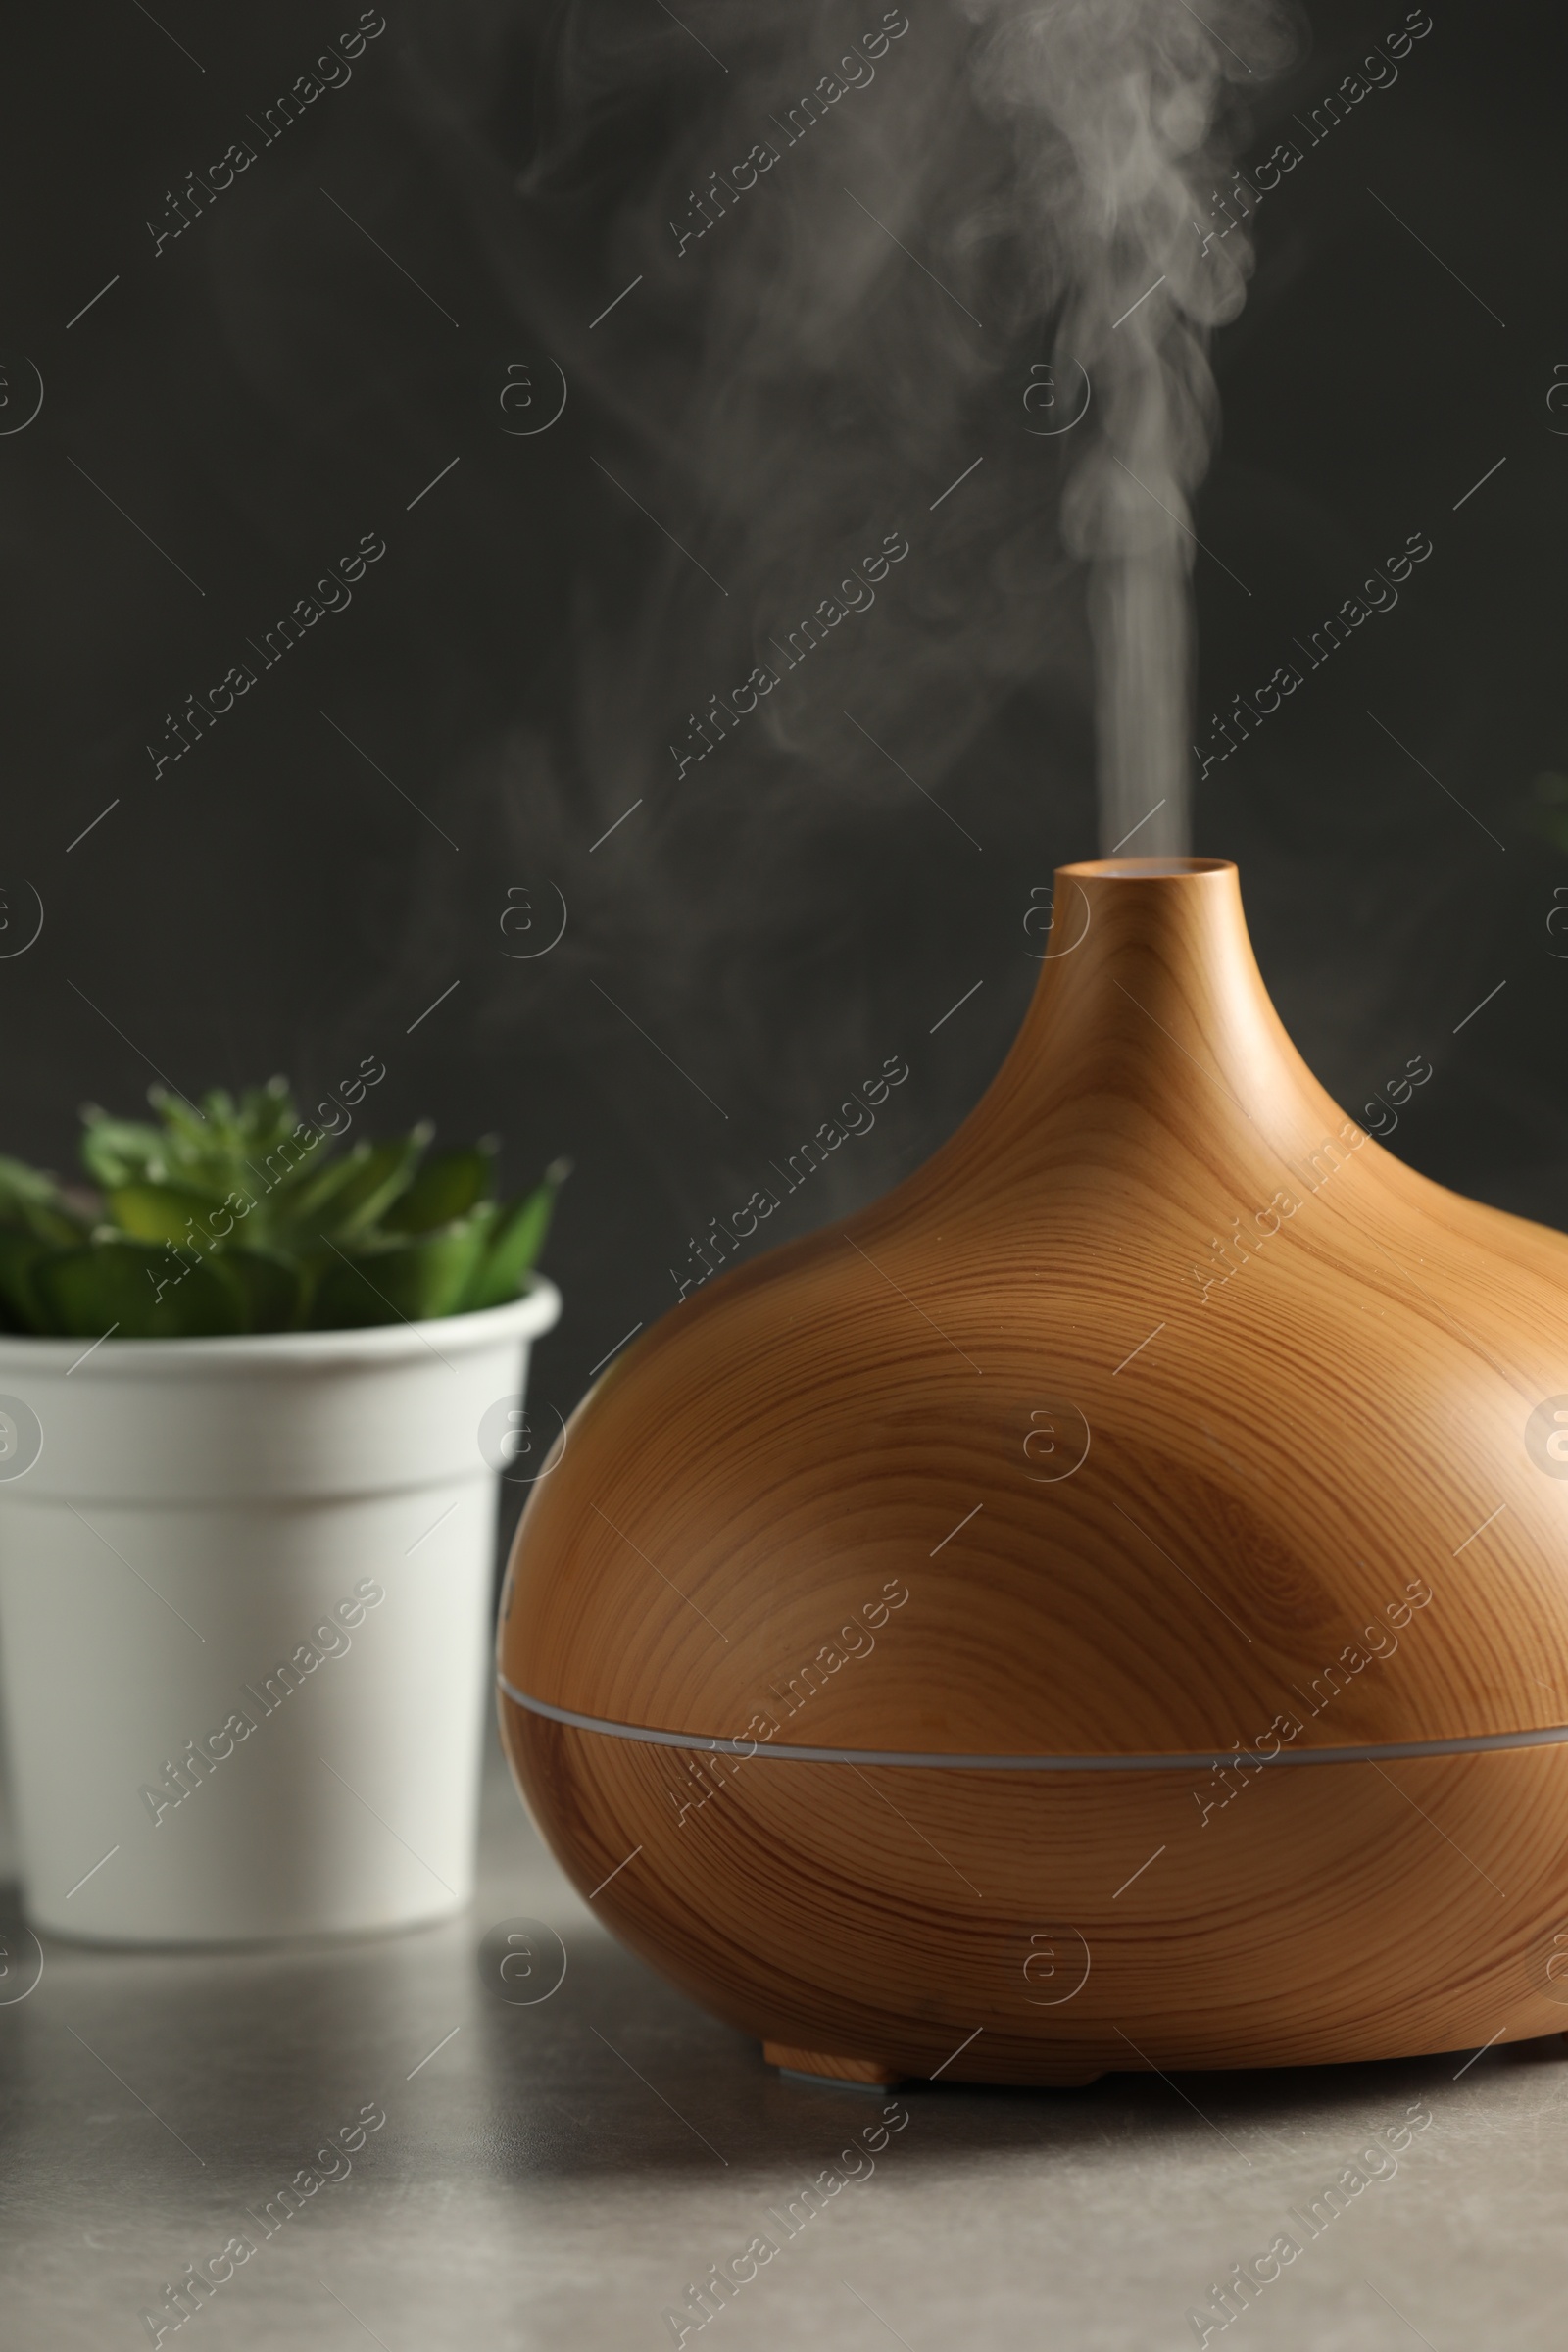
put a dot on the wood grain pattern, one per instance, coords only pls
(1011, 1464)
(1332, 1912)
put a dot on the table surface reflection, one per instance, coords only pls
(562, 2172)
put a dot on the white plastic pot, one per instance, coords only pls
(245, 1621)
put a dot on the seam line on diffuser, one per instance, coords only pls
(1183, 1760)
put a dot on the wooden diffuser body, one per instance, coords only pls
(1105, 1605)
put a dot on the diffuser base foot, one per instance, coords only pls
(882, 2073)
(871, 2074)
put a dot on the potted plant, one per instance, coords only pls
(257, 1381)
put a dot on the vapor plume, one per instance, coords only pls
(1115, 106)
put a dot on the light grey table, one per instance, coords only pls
(560, 2174)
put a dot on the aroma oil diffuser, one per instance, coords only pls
(1102, 1606)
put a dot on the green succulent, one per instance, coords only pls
(229, 1217)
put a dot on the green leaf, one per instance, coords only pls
(19, 1253)
(314, 1234)
(62, 1228)
(314, 1198)
(159, 1213)
(516, 1241)
(215, 1149)
(133, 1291)
(371, 1178)
(22, 1187)
(265, 1114)
(447, 1187)
(121, 1151)
(181, 1118)
(34, 1203)
(275, 1177)
(400, 1281)
(271, 1290)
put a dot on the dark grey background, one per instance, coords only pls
(271, 385)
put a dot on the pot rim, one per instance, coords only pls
(524, 1318)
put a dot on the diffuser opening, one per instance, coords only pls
(1143, 870)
